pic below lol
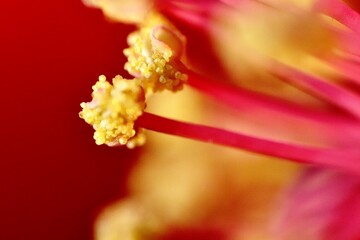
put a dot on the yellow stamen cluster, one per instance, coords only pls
(154, 60)
(113, 111)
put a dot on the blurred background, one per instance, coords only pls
(53, 179)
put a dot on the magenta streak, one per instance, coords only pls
(350, 70)
(349, 42)
(195, 13)
(348, 160)
(341, 12)
(238, 98)
(329, 92)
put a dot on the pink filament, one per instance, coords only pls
(334, 94)
(345, 159)
(239, 98)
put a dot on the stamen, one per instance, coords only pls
(345, 159)
(156, 60)
(332, 93)
(113, 111)
(239, 98)
(154, 57)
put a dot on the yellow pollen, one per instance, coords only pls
(155, 60)
(154, 56)
(113, 111)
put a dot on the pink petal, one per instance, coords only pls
(323, 204)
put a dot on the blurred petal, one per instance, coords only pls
(245, 38)
(122, 10)
(323, 205)
(341, 12)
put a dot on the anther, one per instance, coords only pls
(114, 110)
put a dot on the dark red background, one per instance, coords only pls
(53, 178)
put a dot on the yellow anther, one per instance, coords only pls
(113, 111)
(154, 55)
